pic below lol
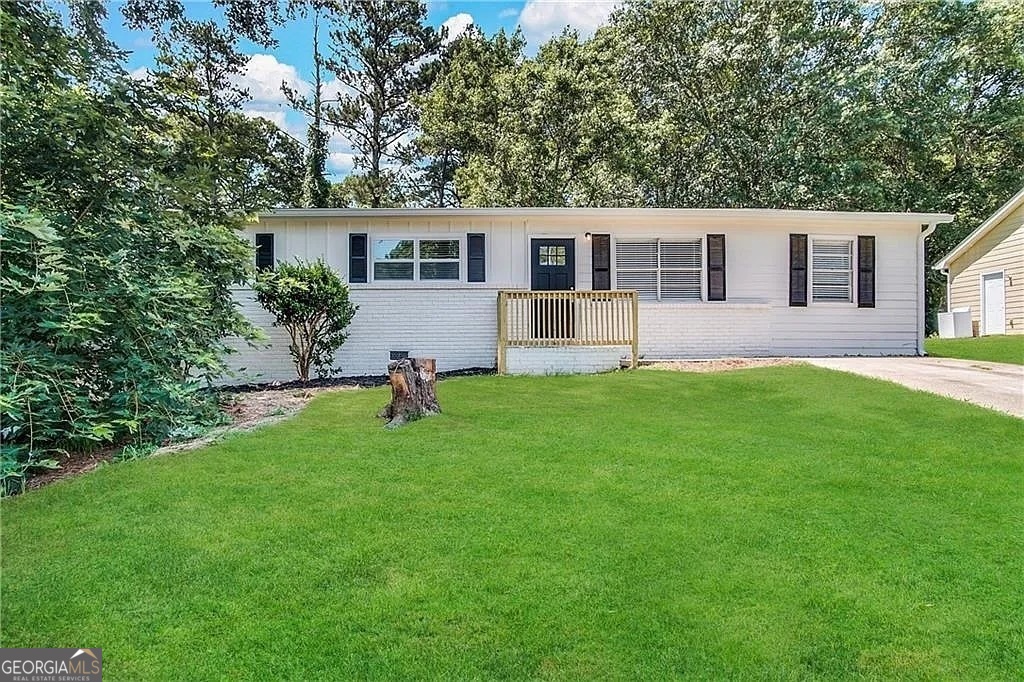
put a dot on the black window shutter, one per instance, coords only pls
(357, 258)
(865, 271)
(265, 251)
(601, 259)
(476, 270)
(716, 267)
(798, 269)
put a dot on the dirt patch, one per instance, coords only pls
(720, 365)
(252, 410)
(72, 464)
(245, 411)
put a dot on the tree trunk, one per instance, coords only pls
(412, 391)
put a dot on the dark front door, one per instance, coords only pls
(552, 264)
(553, 268)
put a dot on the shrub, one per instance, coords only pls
(311, 302)
(115, 301)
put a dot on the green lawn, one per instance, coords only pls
(782, 523)
(1008, 348)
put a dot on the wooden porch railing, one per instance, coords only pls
(566, 318)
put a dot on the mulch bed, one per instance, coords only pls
(72, 464)
(364, 381)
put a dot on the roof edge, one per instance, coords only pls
(594, 212)
(960, 249)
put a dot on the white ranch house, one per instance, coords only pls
(532, 289)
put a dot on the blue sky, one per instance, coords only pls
(291, 60)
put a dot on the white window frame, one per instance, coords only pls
(852, 300)
(659, 238)
(416, 260)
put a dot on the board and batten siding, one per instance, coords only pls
(456, 322)
(1002, 248)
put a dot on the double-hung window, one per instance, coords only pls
(416, 260)
(660, 269)
(832, 270)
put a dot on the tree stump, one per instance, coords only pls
(412, 391)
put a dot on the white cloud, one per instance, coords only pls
(508, 12)
(278, 117)
(542, 19)
(140, 74)
(334, 88)
(457, 25)
(263, 76)
(341, 162)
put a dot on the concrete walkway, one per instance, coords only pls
(989, 384)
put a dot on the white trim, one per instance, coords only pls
(983, 323)
(416, 238)
(921, 280)
(661, 237)
(1006, 209)
(852, 302)
(741, 214)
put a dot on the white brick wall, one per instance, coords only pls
(704, 330)
(457, 326)
(574, 360)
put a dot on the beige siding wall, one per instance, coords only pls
(1001, 249)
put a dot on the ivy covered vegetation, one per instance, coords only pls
(119, 250)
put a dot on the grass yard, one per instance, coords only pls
(782, 523)
(1009, 348)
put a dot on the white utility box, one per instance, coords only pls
(955, 324)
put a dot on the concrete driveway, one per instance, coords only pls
(989, 384)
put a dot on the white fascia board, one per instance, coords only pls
(983, 229)
(683, 213)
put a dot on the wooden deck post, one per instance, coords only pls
(502, 331)
(635, 301)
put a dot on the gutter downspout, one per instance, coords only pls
(925, 233)
(949, 290)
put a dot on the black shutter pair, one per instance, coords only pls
(358, 261)
(601, 260)
(265, 251)
(865, 270)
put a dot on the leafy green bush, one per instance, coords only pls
(311, 302)
(115, 300)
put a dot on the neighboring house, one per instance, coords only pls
(985, 272)
(710, 282)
